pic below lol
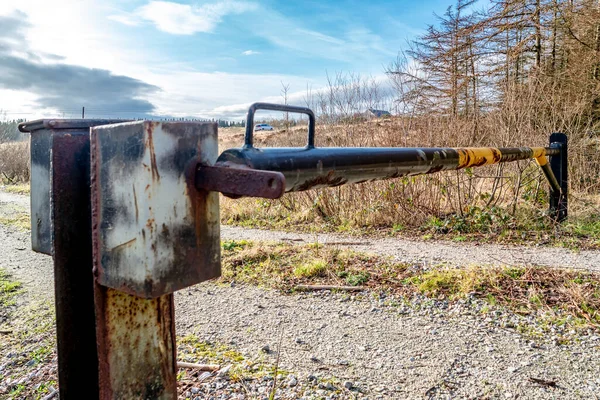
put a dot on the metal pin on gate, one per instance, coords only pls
(150, 226)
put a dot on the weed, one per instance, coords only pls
(316, 268)
(233, 244)
(14, 162)
(40, 354)
(208, 352)
(19, 220)
(514, 273)
(18, 188)
(17, 391)
(357, 279)
(43, 389)
(398, 228)
(8, 289)
(453, 283)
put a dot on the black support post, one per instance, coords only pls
(559, 165)
(74, 281)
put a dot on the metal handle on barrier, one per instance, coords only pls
(249, 138)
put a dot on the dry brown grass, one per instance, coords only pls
(14, 162)
(502, 191)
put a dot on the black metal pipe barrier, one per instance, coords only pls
(310, 168)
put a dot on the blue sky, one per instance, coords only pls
(190, 58)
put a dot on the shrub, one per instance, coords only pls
(14, 162)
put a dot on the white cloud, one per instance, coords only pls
(320, 36)
(354, 44)
(250, 52)
(77, 30)
(217, 94)
(184, 19)
(125, 19)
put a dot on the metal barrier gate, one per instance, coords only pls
(149, 226)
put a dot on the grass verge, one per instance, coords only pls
(17, 219)
(528, 224)
(8, 290)
(568, 297)
(17, 188)
(27, 344)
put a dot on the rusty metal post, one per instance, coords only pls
(559, 165)
(136, 346)
(153, 233)
(61, 226)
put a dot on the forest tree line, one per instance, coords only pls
(542, 54)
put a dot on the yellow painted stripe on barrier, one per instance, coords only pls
(539, 153)
(477, 156)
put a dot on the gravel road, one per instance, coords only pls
(422, 349)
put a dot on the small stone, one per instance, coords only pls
(348, 385)
(223, 371)
(508, 395)
(195, 390)
(266, 349)
(292, 381)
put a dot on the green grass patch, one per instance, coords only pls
(191, 348)
(30, 336)
(19, 220)
(284, 266)
(207, 352)
(8, 289)
(18, 188)
(315, 268)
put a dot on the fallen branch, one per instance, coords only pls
(201, 367)
(331, 287)
(345, 243)
(542, 382)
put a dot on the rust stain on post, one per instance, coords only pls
(143, 188)
(136, 346)
(153, 166)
